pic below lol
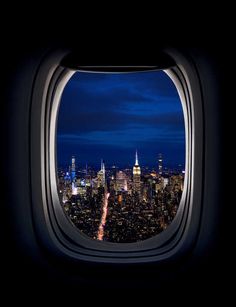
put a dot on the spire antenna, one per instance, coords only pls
(136, 157)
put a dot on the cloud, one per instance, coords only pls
(107, 92)
(107, 115)
(156, 82)
(86, 122)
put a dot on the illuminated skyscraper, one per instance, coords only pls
(160, 160)
(73, 168)
(74, 188)
(101, 175)
(136, 175)
(67, 178)
(121, 181)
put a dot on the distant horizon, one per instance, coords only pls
(109, 116)
(81, 165)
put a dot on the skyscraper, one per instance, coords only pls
(101, 175)
(160, 160)
(121, 181)
(136, 175)
(73, 168)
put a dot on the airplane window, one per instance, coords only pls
(117, 158)
(120, 154)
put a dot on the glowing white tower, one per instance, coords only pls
(136, 175)
(101, 175)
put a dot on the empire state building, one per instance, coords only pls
(136, 175)
(101, 175)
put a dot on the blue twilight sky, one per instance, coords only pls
(109, 116)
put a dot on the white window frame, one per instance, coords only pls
(54, 230)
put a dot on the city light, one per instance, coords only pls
(120, 154)
(121, 206)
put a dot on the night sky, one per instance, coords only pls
(109, 116)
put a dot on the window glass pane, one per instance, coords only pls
(120, 154)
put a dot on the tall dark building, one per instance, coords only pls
(160, 165)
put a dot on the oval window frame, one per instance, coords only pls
(54, 230)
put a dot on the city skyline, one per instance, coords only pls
(97, 164)
(120, 206)
(109, 116)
